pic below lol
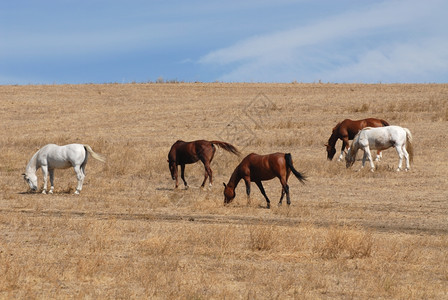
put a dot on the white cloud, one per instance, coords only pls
(421, 61)
(407, 38)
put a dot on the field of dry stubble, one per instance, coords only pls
(347, 234)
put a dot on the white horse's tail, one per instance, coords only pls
(409, 146)
(95, 155)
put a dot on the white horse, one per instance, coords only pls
(52, 156)
(381, 138)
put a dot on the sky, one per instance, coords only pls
(111, 41)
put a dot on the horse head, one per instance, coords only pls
(350, 158)
(229, 194)
(331, 151)
(31, 180)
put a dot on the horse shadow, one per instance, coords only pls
(165, 189)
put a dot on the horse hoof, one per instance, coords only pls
(44, 192)
(77, 192)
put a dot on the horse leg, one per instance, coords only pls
(281, 197)
(45, 173)
(345, 144)
(260, 186)
(379, 155)
(400, 157)
(80, 176)
(205, 178)
(51, 180)
(406, 156)
(288, 199)
(364, 157)
(368, 155)
(182, 175)
(208, 171)
(247, 182)
(285, 190)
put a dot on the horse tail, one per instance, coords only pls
(290, 166)
(409, 146)
(226, 146)
(385, 123)
(95, 155)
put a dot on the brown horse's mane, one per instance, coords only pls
(334, 135)
(337, 126)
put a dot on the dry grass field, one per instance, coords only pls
(347, 234)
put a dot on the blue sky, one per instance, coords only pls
(344, 41)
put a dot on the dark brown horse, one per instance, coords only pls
(346, 130)
(258, 168)
(182, 153)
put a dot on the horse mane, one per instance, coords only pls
(334, 136)
(336, 127)
(32, 162)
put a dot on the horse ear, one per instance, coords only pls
(325, 145)
(224, 184)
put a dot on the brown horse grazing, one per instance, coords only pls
(259, 168)
(346, 130)
(182, 153)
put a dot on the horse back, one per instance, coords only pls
(264, 167)
(185, 152)
(351, 128)
(372, 122)
(60, 157)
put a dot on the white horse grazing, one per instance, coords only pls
(381, 138)
(52, 156)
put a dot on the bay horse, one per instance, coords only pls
(258, 168)
(51, 157)
(346, 130)
(182, 153)
(380, 139)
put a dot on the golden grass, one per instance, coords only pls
(129, 234)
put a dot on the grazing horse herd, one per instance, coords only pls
(368, 134)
